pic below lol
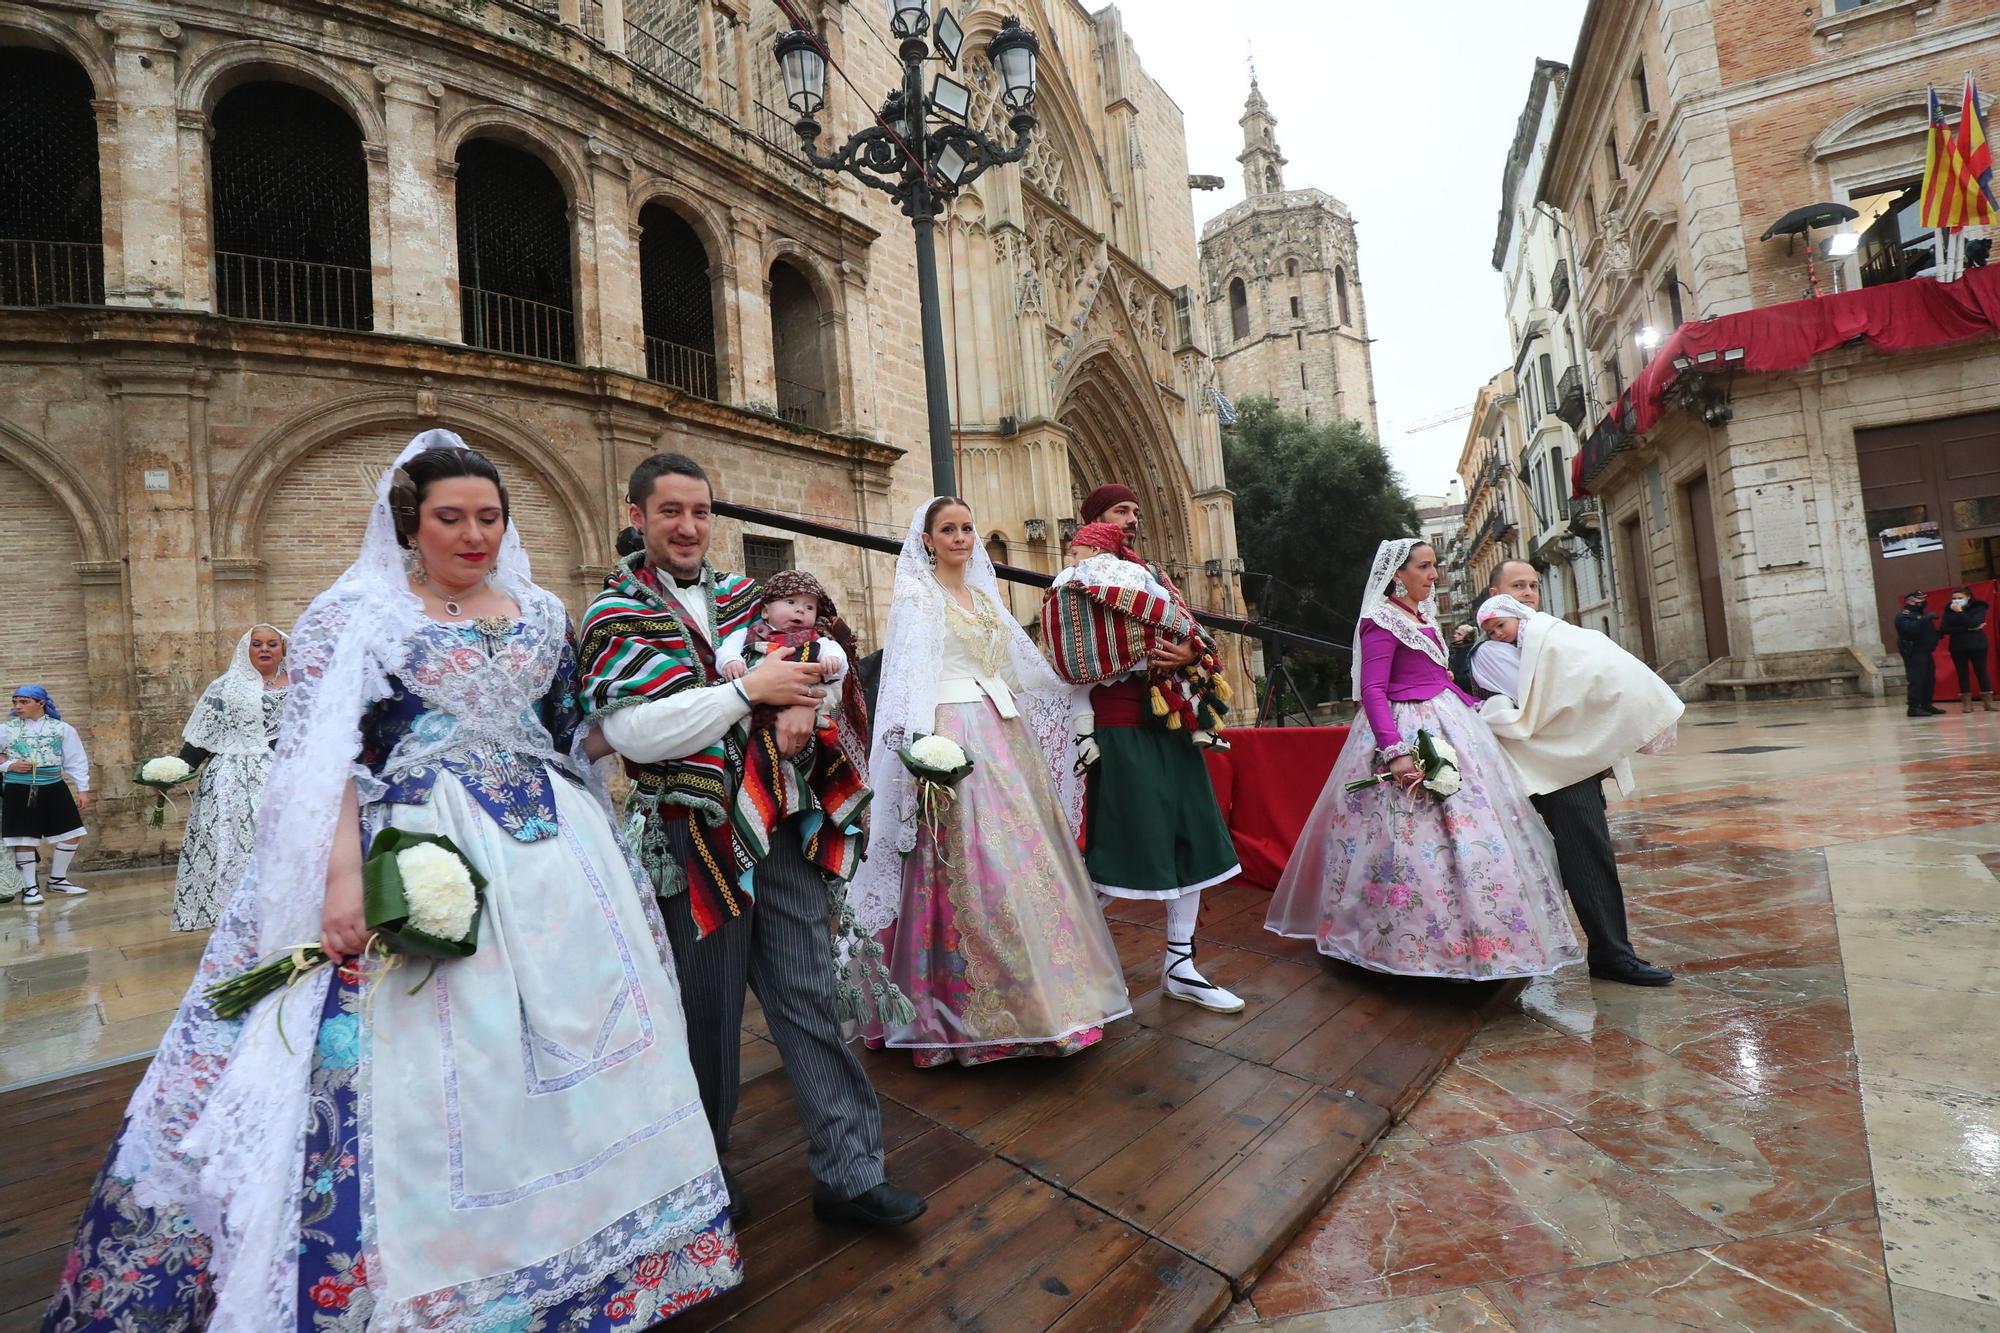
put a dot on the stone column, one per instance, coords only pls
(149, 210)
(415, 294)
(583, 277)
(860, 413)
(161, 424)
(757, 370)
(620, 323)
(739, 49)
(724, 284)
(111, 189)
(107, 650)
(711, 73)
(614, 26)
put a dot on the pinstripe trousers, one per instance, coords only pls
(781, 949)
(1575, 816)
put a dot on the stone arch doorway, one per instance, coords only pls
(47, 641)
(1116, 434)
(312, 523)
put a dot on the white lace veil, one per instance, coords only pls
(1390, 556)
(229, 717)
(218, 1125)
(906, 706)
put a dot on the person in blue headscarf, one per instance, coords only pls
(40, 755)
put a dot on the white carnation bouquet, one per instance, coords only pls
(939, 764)
(420, 897)
(1436, 760)
(162, 775)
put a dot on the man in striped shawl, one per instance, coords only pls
(1151, 826)
(648, 653)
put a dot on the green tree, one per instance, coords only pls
(1313, 500)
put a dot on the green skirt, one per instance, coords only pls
(1152, 828)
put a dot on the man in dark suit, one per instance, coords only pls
(1575, 815)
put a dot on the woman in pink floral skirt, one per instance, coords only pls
(1395, 877)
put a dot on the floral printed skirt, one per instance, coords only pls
(494, 1200)
(1000, 944)
(1463, 887)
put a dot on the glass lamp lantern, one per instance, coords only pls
(909, 18)
(804, 71)
(1013, 51)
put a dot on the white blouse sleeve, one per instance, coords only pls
(76, 764)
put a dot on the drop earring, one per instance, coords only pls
(1396, 588)
(413, 564)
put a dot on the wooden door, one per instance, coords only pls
(1708, 567)
(1642, 589)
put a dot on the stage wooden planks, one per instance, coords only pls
(1137, 1186)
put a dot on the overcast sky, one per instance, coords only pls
(1404, 112)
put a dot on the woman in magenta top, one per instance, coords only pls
(1396, 877)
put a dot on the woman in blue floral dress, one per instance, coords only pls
(517, 1143)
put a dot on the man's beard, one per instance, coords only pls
(665, 560)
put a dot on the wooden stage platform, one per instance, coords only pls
(1136, 1186)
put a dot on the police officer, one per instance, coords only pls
(1917, 640)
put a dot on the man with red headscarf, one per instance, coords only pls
(1152, 828)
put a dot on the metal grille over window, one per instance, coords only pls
(675, 302)
(51, 226)
(513, 254)
(291, 210)
(765, 556)
(796, 347)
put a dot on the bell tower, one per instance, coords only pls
(1263, 164)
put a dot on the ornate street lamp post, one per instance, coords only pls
(920, 152)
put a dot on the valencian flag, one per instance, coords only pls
(1958, 169)
(1976, 158)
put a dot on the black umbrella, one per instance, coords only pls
(1802, 220)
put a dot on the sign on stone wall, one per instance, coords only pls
(1778, 526)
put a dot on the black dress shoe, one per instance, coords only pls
(739, 1207)
(1632, 972)
(1932, 710)
(884, 1206)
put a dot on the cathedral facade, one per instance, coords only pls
(257, 246)
(1282, 276)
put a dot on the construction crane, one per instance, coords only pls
(1430, 423)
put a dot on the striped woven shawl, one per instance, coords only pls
(634, 648)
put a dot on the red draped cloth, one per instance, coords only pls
(1894, 317)
(1266, 783)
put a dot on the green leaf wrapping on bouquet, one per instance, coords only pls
(387, 908)
(944, 777)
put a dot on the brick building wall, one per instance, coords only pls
(1756, 110)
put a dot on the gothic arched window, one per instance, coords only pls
(51, 221)
(1239, 310)
(291, 209)
(1291, 268)
(513, 253)
(1340, 295)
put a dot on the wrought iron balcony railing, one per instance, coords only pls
(294, 291)
(38, 273)
(517, 325)
(801, 404)
(689, 369)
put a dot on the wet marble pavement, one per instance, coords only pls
(1802, 1133)
(90, 980)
